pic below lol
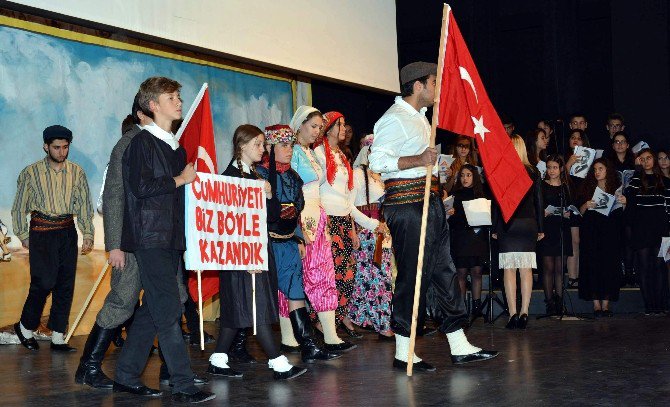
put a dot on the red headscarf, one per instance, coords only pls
(331, 167)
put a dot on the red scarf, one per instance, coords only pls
(331, 165)
(281, 167)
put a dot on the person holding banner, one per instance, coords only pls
(286, 235)
(154, 172)
(400, 153)
(236, 288)
(318, 267)
(601, 240)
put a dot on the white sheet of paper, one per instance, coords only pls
(542, 167)
(555, 211)
(581, 167)
(574, 210)
(626, 176)
(617, 194)
(478, 212)
(603, 200)
(665, 246)
(639, 146)
(448, 204)
(599, 153)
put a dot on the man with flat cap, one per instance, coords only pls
(52, 191)
(401, 153)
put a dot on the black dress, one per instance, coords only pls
(600, 247)
(235, 295)
(646, 212)
(469, 246)
(551, 244)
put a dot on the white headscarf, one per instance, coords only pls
(300, 115)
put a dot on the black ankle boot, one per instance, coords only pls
(238, 349)
(550, 306)
(303, 334)
(90, 371)
(558, 305)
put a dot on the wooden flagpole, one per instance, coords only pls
(202, 328)
(88, 301)
(426, 193)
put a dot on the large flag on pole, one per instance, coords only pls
(465, 109)
(196, 135)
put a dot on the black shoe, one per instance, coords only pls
(473, 357)
(289, 349)
(352, 332)
(426, 331)
(140, 390)
(549, 307)
(302, 330)
(198, 397)
(598, 313)
(608, 314)
(194, 338)
(29, 343)
(89, 371)
(558, 305)
(513, 322)
(197, 380)
(223, 371)
(476, 308)
(523, 321)
(291, 374)
(386, 338)
(418, 366)
(238, 349)
(62, 347)
(339, 347)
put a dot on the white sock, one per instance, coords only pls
(459, 344)
(219, 360)
(327, 319)
(280, 364)
(27, 333)
(402, 349)
(57, 338)
(287, 336)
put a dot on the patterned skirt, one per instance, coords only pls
(341, 231)
(370, 304)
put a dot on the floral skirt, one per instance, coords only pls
(370, 303)
(341, 232)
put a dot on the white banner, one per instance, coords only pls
(226, 227)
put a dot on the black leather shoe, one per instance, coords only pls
(194, 338)
(339, 347)
(140, 390)
(513, 322)
(198, 397)
(63, 347)
(238, 349)
(291, 374)
(28, 343)
(223, 371)
(523, 321)
(197, 380)
(418, 366)
(474, 357)
(386, 338)
(608, 313)
(289, 349)
(598, 313)
(352, 332)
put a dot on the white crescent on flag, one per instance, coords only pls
(465, 75)
(204, 156)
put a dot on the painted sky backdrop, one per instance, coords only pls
(89, 88)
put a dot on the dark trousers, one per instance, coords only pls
(439, 274)
(190, 309)
(53, 263)
(160, 314)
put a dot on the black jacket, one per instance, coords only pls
(531, 206)
(154, 211)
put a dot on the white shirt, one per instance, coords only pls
(375, 188)
(337, 199)
(401, 132)
(163, 135)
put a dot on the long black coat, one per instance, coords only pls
(235, 286)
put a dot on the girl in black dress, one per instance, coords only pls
(235, 287)
(577, 138)
(536, 145)
(557, 240)
(601, 240)
(648, 197)
(517, 241)
(620, 153)
(469, 245)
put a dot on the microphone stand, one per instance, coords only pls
(491, 296)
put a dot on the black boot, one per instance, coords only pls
(550, 306)
(558, 305)
(118, 340)
(238, 349)
(303, 334)
(90, 365)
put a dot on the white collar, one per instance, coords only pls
(401, 102)
(245, 167)
(163, 135)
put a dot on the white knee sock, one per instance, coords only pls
(287, 336)
(402, 349)
(219, 360)
(27, 333)
(57, 338)
(280, 364)
(459, 344)
(327, 319)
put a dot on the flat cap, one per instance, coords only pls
(416, 70)
(56, 132)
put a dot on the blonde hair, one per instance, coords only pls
(520, 147)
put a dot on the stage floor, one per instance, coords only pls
(620, 361)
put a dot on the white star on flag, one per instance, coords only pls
(479, 126)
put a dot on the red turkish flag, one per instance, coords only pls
(196, 135)
(465, 109)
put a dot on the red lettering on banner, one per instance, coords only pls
(212, 252)
(203, 251)
(199, 221)
(255, 224)
(210, 215)
(230, 223)
(246, 254)
(256, 253)
(219, 245)
(220, 222)
(194, 184)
